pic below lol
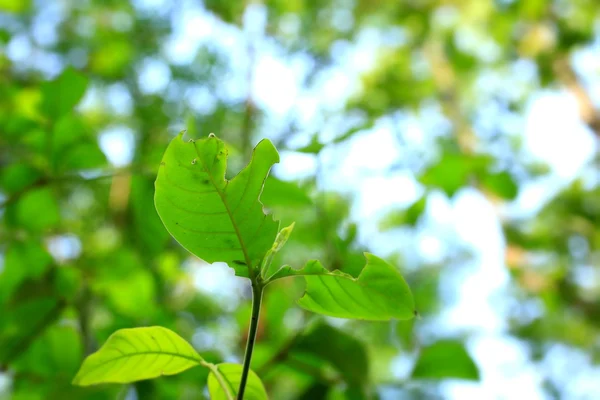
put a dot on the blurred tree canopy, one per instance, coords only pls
(91, 92)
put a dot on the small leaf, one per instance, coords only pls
(131, 355)
(378, 294)
(501, 183)
(314, 147)
(214, 218)
(232, 374)
(282, 237)
(410, 216)
(454, 171)
(445, 359)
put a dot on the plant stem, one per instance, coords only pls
(257, 290)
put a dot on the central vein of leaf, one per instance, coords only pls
(197, 360)
(229, 213)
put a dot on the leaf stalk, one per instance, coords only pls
(257, 292)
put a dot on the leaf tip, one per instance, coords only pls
(270, 148)
(370, 257)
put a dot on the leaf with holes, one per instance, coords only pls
(131, 355)
(378, 294)
(214, 218)
(231, 375)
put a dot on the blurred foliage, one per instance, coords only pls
(83, 252)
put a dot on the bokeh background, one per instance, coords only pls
(458, 139)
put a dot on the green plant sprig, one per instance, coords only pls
(220, 220)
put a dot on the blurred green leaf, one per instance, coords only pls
(410, 216)
(56, 354)
(22, 260)
(452, 172)
(278, 193)
(501, 183)
(36, 210)
(17, 177)
(73, 147)
(62, 94)
(15, 6)
(445, 359)
(344, 352)
(147, 226)
(23, 319)
(314, 147)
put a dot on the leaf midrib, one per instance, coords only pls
(229, 213)
(143, 353)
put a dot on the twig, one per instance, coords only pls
(257, 292)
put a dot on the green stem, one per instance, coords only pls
(257, 289)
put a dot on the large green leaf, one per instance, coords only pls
(212, 217)
(378, 294)
(135, 354)
(231, 376)
(445, 359)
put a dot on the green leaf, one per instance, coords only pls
(343, 351)
(231, 374)
(284, 194)
(37, 210)
(453, 171)
(214, 218)
(73, 147)
(378, 294)
(314, 147)
(16, 177)
(15, 6)
(410, 216)
(55, 353)
(147, 227)
(22, 260)
(445, 359)
(131, 355)
(501, 183)
(62, 94)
